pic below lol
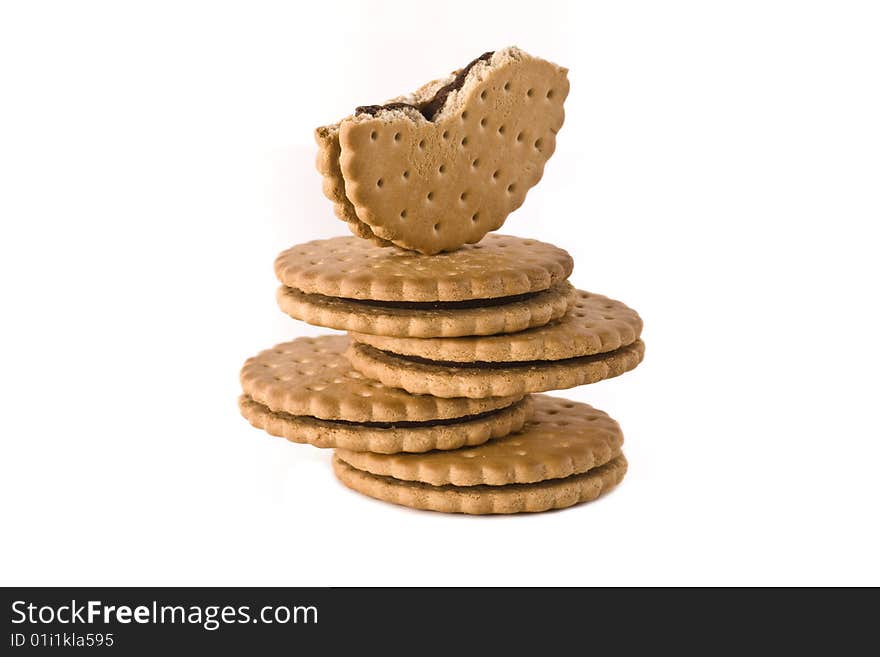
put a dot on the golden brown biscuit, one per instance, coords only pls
(311, 377)
(388, 438)
(499, 266)
(479, 500)
(562, 438)
(446, 165)
(430, 319)
(479, 380)
(595, 324)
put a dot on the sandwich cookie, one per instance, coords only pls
(566, 454)
(443, 166)
(306, 391)
(502, 285)
(597, 339)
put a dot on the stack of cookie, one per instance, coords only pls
(429, 400)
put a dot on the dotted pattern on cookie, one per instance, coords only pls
(333, 185)
(595, 324)
(492, 379)
(413, 437)
(345, 314)
(562, 438)
(478, 500)
(311, 376)
(433, 186)
(347, 267)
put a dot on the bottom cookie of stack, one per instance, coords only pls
(567, 454)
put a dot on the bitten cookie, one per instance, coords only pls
(445, 165)
(306, 391)
(568, 453)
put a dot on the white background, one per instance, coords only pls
(718, 171)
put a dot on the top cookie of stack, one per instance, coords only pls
(446, 164)
(427, 401)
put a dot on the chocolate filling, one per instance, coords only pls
(418, 360)
(599, 470)
(431, 107)
(404, 424)
(436, 305)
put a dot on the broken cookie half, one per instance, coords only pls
(445, 165)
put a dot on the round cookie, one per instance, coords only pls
(351, 268)
(561, 439)
(431, 319)
(595, 324)
(388, 438)
(487, 380)
(478, 500)
(311, 376)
